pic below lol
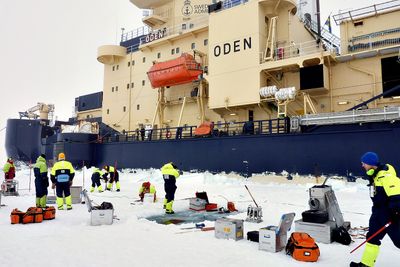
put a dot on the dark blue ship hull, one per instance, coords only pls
(334, 149)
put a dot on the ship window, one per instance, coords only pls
(390, 75)
(108, 111)
(116, 88)
(133, 62)
(112, 89)
(251, 115)
(191, 25)
(143, 82)
(117, 67)
(132, 85)
(129, 64)
(113, 68)
(358, 23)
(311, 77)
(124, 109)
(138, 107)
(144, 59)
(177, 50)
(127, 86)
(205, 41)
(183, 26)
(193, 45)
(172, 51)
(158, 55)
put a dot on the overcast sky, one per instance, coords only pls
(49, 47)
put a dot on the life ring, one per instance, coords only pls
(168, 134)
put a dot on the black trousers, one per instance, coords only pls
(380, 216)
(63, 188)
(41, 185)
(169, 187)
(96, 180)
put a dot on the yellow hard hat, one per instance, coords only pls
(61, 156)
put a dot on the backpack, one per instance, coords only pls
(341, 236)
(106, 206)
(302, 247)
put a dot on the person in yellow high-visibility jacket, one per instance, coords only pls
(9, 169)
(61, 176)
(385, 194)
(41, 181)
(170, 173)
(147, 187)
(114, 177)
(97, 175)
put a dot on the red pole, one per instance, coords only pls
(30, 174)
(372, 236)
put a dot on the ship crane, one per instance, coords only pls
(45, 112)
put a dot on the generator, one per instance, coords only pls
(323, 216)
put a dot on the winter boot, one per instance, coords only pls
(91, 189)
(60, 203)
(38, 202)
(100, 188)
(68, 201)
(370, 254)
(118, 186)
(168, 207)
(109, 186)
(165, 203)
(43, 201)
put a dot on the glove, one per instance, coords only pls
(53, 186)
(180, 172)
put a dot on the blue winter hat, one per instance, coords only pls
(370, 158)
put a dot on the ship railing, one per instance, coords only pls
(177, 29)
(297, 50)
(226, 4)
(144, 30)
(220, 129)
(366, 11)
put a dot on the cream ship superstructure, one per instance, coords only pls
(248, 50)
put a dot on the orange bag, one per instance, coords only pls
(33, 215)
(16, 216)
(49, 213)
(302, 247)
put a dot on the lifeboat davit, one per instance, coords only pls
(183, 69)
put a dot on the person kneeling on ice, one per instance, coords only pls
(62, 175)
(41, 181)
(96, 176)
(114, 177)
(385, 194)
(170, 173)
(9, 169)
(147, 187)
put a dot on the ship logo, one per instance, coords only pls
(187, 8)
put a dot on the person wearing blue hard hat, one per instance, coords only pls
(385, 194)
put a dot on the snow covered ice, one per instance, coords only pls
(132, 240)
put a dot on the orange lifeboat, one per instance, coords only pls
(183, 69)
